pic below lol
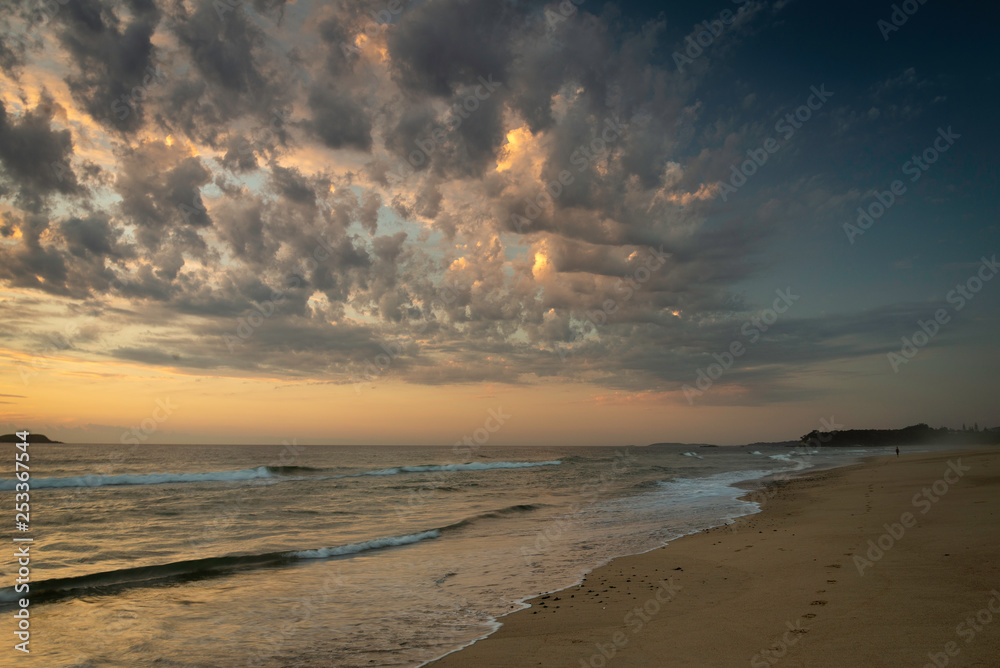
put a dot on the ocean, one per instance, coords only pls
(285, 555)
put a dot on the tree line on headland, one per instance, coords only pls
(918, 434)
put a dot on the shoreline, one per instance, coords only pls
(750, 486)
(638, 609)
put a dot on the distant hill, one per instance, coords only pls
(774, 444)
(32, 438)
(918, 434)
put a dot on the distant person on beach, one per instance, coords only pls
(897, 451)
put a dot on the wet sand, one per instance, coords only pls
(798, 584)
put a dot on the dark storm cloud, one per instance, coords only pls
(429, 200)
(91, 237)
(160, 189)
(187, 106)
(239, 157)
(231, 69)
(34, 264)
(445, 50)
(371, 204)
(481, 134)
(338, 120)
(443, 45)
(274, 9)
(292, 185)
(34, 157)
(414, 123)
(77, 261)
(241, 225)
(114, 59)
(224, 47)
(12, 54)
(338, 25)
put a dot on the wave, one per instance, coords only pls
(144, 478)
(471, 466)
(721, 484)
(110, 582)
(376, 544)
(243, 475)
(494, 514)
(195, 569)
(797, 463)
(285, 470)
(788, 459)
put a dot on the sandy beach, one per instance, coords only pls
(892, 562)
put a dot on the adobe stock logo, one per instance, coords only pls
(697, 43)
(961, 295)
(461, 110)
(787, 125)
(753, 329)
(900, 15)
(915, 168)
(923, 500)
(967, 630)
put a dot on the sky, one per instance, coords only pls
(510, 222)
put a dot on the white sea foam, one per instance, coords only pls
(719, 484)
(143, 479)
(377, 543)
(472, 466)
(248, 474)
(797, 463)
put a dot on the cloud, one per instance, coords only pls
(338, 120)
(160, 187)
(475, 180)
(72, 257)
(91, 237)
(113, 58)
(35, 158)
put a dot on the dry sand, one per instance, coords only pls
(786, 580)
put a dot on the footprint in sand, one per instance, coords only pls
(818, 603)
